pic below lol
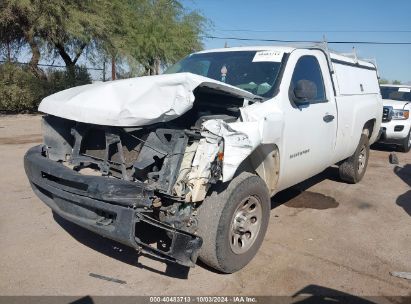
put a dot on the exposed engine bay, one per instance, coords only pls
(178, 160)
(133, 160)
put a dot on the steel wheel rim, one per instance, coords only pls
(361, 159)
(245, 224)
(409, 139)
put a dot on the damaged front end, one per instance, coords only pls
(140, 186)
(130, 185)
(139, 182)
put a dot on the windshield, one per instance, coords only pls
(396, 93)
(252, 71)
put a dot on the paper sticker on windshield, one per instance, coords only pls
(404, 90)
(268, 56)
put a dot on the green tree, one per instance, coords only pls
(11, 39)
(63, 28)
(164, 33)
(69, 27)
(383, 81)
(396, 82)
(150, 33)
(18, 26)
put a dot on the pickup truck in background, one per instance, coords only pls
(396, 120)
(183, 165)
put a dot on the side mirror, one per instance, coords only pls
(304, 91)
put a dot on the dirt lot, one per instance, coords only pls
(324, 236)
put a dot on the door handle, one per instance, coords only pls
(328, 118)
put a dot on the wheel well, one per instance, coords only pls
(369, 127)
(265, 162)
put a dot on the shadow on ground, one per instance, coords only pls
(311, 294)
(295, 197)
(404, 200)
(315, 294)
(83, 300)
(117, 250)
(384, 147)
(298, 197)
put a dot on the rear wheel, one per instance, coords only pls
(406, 144)
(232, 221)
(352, 170)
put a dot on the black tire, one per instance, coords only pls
(406, 144)
(215, 218)
(350, 170)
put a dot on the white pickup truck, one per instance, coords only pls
(396, 120)
(195, 155)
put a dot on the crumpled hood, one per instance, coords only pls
(135, 101)
(395, 104)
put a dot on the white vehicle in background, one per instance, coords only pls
(197, 153)
(396, 121)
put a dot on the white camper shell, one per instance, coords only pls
(207, 144)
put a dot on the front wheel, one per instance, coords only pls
(406, 144)
(232, 221)
(352, 170)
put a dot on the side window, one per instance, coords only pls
(308, 68)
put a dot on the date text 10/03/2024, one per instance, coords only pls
(203, 299)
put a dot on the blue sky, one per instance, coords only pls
(310, 20)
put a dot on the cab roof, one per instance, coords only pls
(288, 49)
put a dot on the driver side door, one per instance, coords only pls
(310, 125)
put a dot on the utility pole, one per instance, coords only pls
(104, 69)
(113, 68)
(8, 52)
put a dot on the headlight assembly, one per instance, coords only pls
(400, 114)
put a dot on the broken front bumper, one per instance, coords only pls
(111, 207)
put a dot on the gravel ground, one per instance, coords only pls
(324, 237)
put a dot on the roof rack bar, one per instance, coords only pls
(327, 53)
